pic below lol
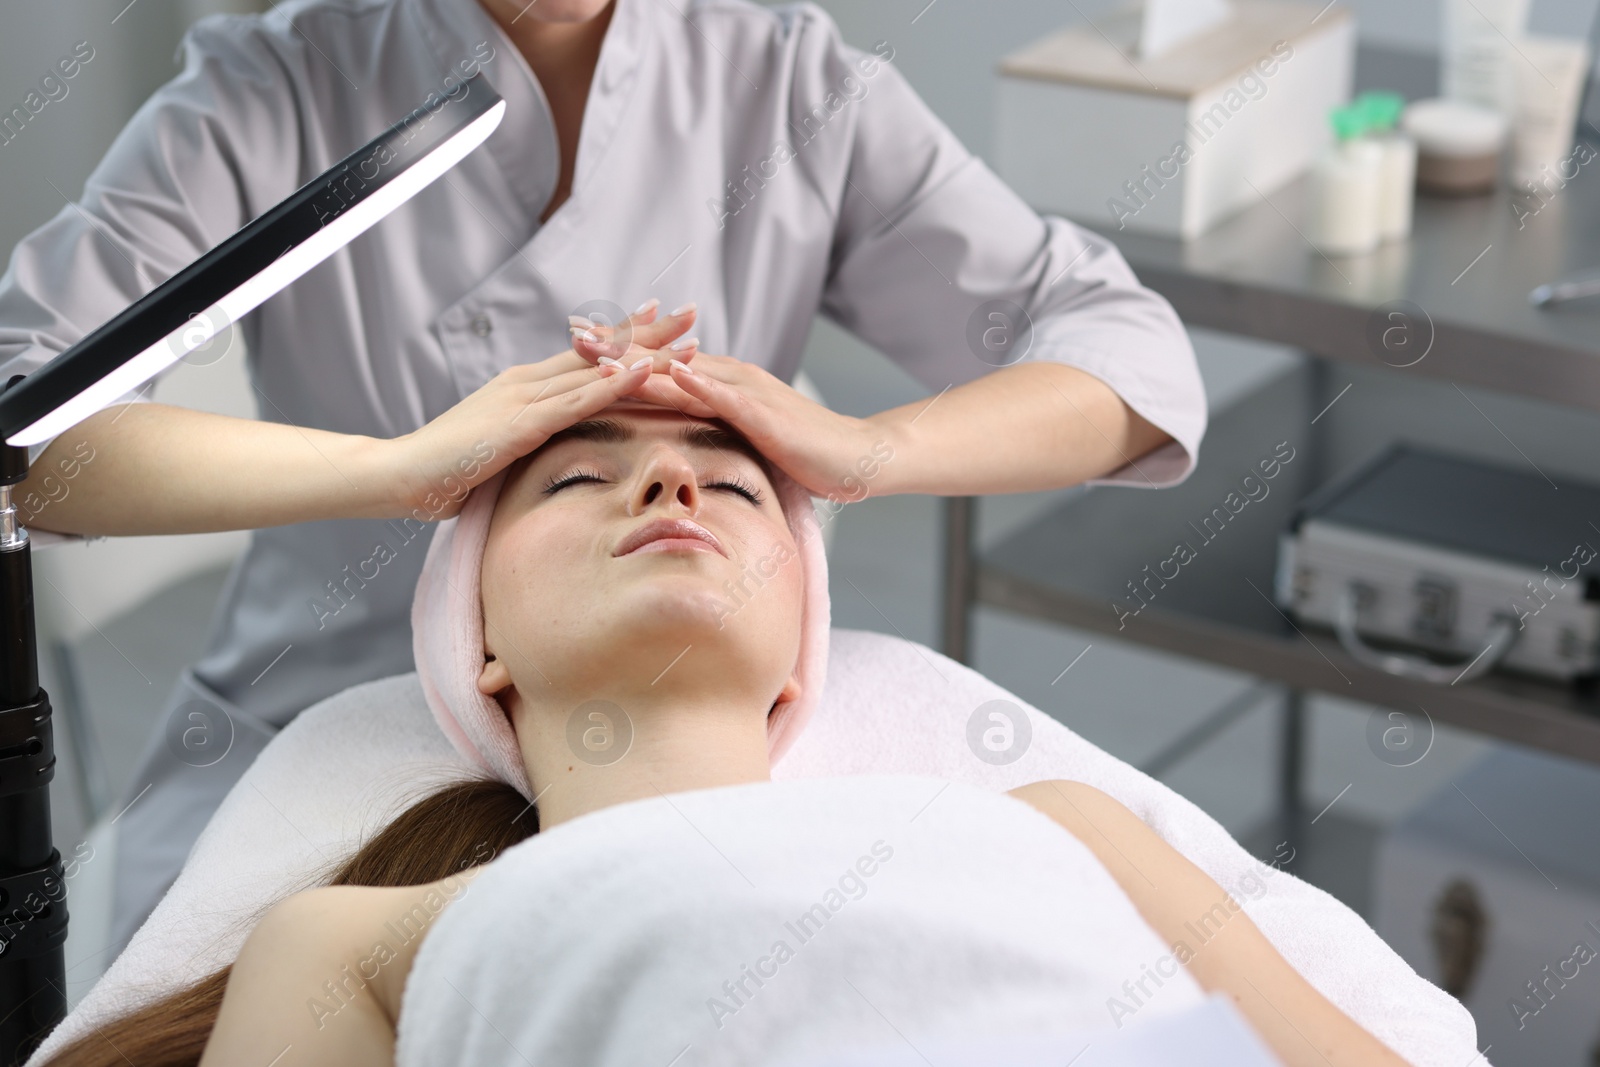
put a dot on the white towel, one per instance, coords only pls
(1211, 1034)
(751, 923)
(345, 767)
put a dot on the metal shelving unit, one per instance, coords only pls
(1073, 565)
(1459, 287)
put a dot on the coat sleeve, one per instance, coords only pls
(940, 265)
(175, 182)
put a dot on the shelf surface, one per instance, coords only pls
(1460, 285)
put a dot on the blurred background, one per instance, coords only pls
(119, 618)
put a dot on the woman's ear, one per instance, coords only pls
(494, 677)
(791, 691)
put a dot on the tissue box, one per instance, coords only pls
(1172, 144)
(1491, 890)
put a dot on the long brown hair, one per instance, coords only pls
(463, 825)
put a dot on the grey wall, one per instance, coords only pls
(1415, 23)
(134, 51)
(62, 143)
(949, 49)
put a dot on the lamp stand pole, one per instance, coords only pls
(33, 891)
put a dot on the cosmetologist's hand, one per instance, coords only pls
(435, 467)
(833, 455)
(642, 334)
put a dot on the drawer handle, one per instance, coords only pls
(1501, 637)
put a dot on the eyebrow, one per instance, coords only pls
(696, 435)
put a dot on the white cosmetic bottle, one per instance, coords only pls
(1479, 56)
(1398, 169)
(1346, 188)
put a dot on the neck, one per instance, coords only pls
(677, 744)
(562, 55)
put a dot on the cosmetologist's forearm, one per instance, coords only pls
(1029, 427)
(149, 468)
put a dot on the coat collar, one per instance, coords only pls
(525, 146)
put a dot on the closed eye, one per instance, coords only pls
(736, 484)
(740, 486)
(556, 484)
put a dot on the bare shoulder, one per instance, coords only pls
(331, 962)
(316, 922)
(276, 994)
(375, 931)
(335, 909)
(320, 933)
(1053, 794)
(1084, 810)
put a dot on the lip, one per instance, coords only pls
(670, 534)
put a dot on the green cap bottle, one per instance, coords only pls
(1349, 122)
(1382, 109)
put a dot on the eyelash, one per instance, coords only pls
(734, 482)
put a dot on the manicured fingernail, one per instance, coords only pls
(579, 321)
(584, 335)
(684, 310)
(683, 343)
(607, 361)
(683, 366)
(646, 306)
(644, 362)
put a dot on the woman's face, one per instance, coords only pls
(638, 557)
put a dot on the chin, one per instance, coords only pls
(686, 603)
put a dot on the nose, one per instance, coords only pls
(665, 477)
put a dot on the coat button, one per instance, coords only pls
(481, 325)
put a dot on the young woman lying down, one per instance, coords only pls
(634, 607)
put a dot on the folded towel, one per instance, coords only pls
(744, 924)
(1210, 1034)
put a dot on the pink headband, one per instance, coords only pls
(447, 633)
